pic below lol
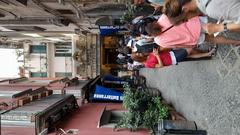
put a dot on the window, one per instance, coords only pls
(63, 74)
(38, 74)
(63, 55)
(63, 49)
(38, 49)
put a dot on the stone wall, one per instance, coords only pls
(88, 45)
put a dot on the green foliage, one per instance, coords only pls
(155, 112)
(144, 110)
(129, 14)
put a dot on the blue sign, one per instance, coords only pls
(109, 30)
(113, 79)
(107, 94)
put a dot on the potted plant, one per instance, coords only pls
(144, 110)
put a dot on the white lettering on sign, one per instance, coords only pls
(121, 98)
(106, 97)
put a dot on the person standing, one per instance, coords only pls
(179, 11)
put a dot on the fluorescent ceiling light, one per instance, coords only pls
(4, 29)
(68, 35)
(54, 39)
(32, 35)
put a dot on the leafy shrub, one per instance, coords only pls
(129, 13)
(144, 110)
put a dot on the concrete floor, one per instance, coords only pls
(86, 119)
(207, 92)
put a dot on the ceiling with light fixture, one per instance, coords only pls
(26, 19)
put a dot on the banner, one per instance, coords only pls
(107, 94)
(109, 30)
(113, 79)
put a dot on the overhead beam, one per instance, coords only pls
(48, 32)
(4, 2)
(55, 1)
(24, 2)
(52, 21)
(24, 22)
(78, 1)
(55, 13)
(4, 10)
